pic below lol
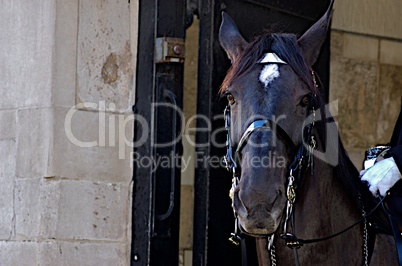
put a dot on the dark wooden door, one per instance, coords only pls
(159, 89)
(213, 217)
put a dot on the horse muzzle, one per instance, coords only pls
(259, 218)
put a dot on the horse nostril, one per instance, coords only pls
(239, 206)
(242, 201)
(281, 191)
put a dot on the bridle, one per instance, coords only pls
(253, 127)
(302, 156)
(266, 124)
(303, 160)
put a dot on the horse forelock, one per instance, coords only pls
(284, 45)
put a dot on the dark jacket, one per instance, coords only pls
(396, 143)
(394, 200)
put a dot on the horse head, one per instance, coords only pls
(270, 80)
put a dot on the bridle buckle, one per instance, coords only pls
(235, 239)
(291, 241)
(226, 161)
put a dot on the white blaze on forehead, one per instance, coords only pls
(269, 73)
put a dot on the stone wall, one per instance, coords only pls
(366, 72)
(66, 82)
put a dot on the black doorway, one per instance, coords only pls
(213, 217)
(156, 201)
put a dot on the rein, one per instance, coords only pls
(303, 160)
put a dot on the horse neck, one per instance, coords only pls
(324, 203)
(323, 207)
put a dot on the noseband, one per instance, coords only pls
(255, 126)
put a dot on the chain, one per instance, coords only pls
(312, 145)
(314, 79)
(291, 195)
(273, 256)
(235, 182)
(235, 237)
(271, 249)
(365, 238)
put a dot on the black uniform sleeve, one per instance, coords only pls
(396, 138)
(396, 153)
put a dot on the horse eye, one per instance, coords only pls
(230, 98)
(305, 101)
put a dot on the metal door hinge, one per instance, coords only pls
(169, 50)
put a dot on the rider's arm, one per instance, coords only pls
(396, 153)
(384, 174)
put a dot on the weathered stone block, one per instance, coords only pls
(104, 53)
(188, 258)
(65, 49)
(27, 208)
(391, 53)
(336, 45)
(80, 253)
(389, 101)
(186, 216)
(7, 158)
(95, 146)
(94, 211)
(18, 253)
(7, 173)
(6, 209)
(360, 47)
(8, 120)
(27, 38)
(380, 18)
(188, 159)
(191, 73)
(34, 139)
(353, 84)
(69, 209)
(49, 209)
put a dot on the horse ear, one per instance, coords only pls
(230, 38)
(312, 40)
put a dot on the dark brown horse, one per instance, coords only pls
(287, 142)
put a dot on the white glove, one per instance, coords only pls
(381, 176)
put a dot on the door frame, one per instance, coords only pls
(159, 79)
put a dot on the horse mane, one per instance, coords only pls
(283, 44)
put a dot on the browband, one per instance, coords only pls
(271, 58)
